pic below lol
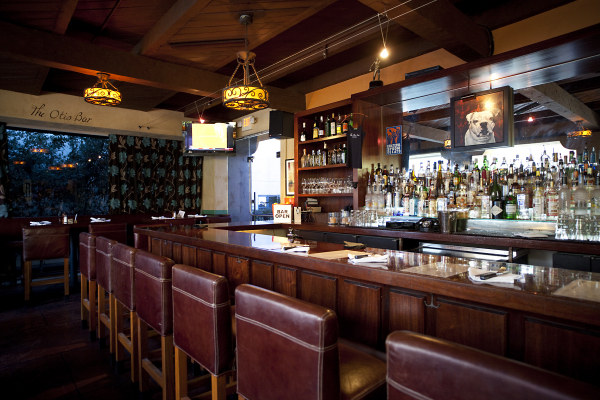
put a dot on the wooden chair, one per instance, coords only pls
(153, 300)
(104, 278)
(87, 265)
(202, 330)
(45, 243)
(424, 367)
(109, 230)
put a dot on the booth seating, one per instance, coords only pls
(114, 231)
(202, 329)
(153, 300)
(424, 367)
(45, 243)
(124, 290)
(104, 278)
(288, 349)
(87, 264)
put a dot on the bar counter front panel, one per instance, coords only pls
(527, 321)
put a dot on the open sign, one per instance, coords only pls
(282, 213)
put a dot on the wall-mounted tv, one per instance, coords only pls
(206, 139)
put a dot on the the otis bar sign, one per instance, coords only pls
(42, 112)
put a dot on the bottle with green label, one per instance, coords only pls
(510, 207)
(497, 210)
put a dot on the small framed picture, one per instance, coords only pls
(482, 120)
(289, 177)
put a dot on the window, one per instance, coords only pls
(266, 177)
(51, 173)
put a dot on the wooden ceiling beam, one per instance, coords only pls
(555, 98)
(440, 23)
(173, 20)
(58, 51)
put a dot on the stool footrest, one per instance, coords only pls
(154, 372)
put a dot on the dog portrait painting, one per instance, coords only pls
(480, 120)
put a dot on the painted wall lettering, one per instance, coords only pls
(58, 114)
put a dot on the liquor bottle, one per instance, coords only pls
(303, 160)
(428, 174)
(564, 197)
(324, 155)
(461, 196)
(345, 126)
(595, 196)
(486, 201)
(384, 176)
(318, 159)
(406, 204)
(510, 208)
(321, 128)
(593, 156)
(312, 160)
(303, 135)
(493, 168)
(522, 203)
(316, 129)
(338, 125)
(369, 197)
(351, 123)
(538, 202)
(581, 199)
(422, 206)
(378, 173)
(332, 126)
(552, 202)
(327, 127)
(496, 197)
(432, 202)
(344, 154)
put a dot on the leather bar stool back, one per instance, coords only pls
(87, 265)
(153, 300)
(424, 367)
(288, 349)
(104, 280)
(202, 328)
(114, 231)
(45, 243)
(124, 289)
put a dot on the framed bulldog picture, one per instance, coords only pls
(482, 120)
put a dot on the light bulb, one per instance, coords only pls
(530, 119)
(201, 121)
(384, 53)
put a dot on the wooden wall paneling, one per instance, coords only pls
(482, 328)
(564, 349)
(261, 274)
(318, 289)
(406, 311)
(188, 255)
(219, 264)
(359, 312)
(167, 249)
(156, 247)
(238, 272)
(176, 256)
(204, 259)
(286, 280)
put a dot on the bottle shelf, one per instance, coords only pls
(322, 139)
(325, 167)
(326, 195)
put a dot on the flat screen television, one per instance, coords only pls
(206, 139)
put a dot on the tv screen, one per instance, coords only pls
(209, 138)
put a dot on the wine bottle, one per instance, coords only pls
(497, 203)
(332, 126)
(321, 128)
(338, 126)
(316, 129)
(327, 127)
(303, 135)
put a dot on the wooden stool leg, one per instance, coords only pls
(218, 387)
(118, 328)
(27, 278)
(142, 354)
(66, 273)
(101, 310)
(168, 367)
(93, 320)
(113, 319)
(135, 362)
(85, 315)
(180, 374)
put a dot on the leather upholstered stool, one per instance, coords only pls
(114, 231)
(288, 349)
(104, 279)
(124, 290)
(202, 329)
(45, 243)
(87, 265)
(424, 367)
(153, 300)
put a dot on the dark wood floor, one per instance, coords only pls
(44, 353)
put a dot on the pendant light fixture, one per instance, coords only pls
(246, 96)
(103, 93)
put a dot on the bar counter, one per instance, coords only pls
(551, 318)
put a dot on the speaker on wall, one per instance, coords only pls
(281, 125)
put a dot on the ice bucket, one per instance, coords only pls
(447, 221)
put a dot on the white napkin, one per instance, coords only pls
(504, 278)
(161, 218)
(371, 259)
(34, 223)
(99, 220)
(530, 235)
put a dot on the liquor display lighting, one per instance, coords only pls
(103, 93)
(36, 150)
(246, 96)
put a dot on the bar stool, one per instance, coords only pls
(87, 265)
(45, 243)
(104, 279)
(114, 231)
(288, 349)
(463, 372)
(123, 258)
(153, 300)
(202, 329)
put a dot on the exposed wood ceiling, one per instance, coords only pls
(58, 46)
